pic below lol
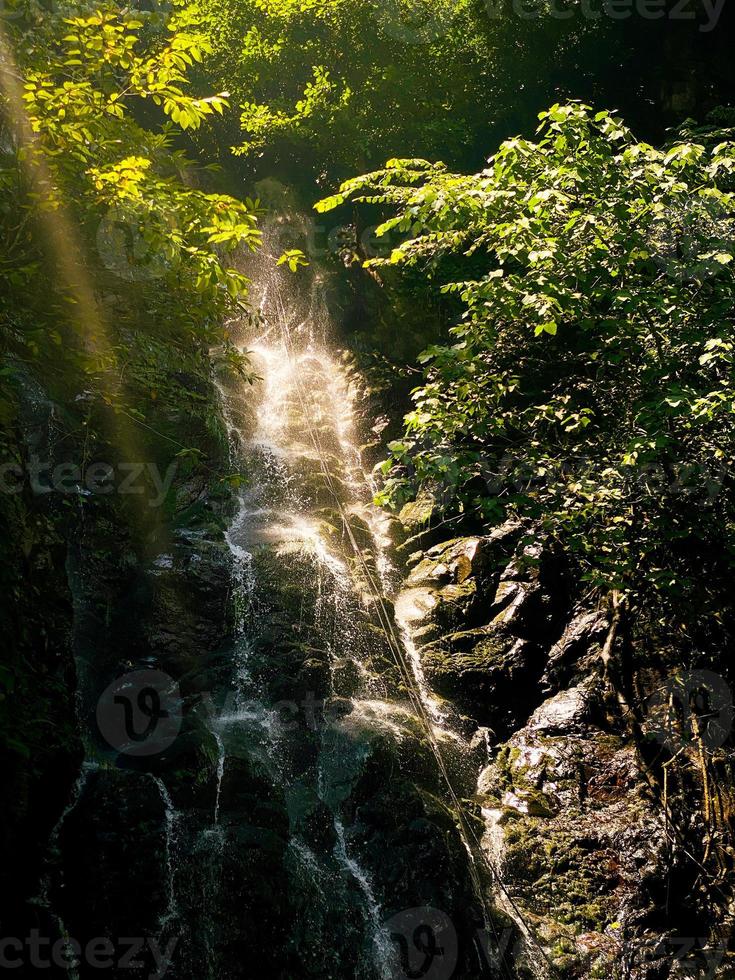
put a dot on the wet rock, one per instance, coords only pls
(489, 674)
(567, 712)
(518, 607)
(578, 648)
(401, 831)
(450, 562)
(451, 586)
(456, 604)
(40, 748)
(113, 845)
(418, 513)
(426, 634)
(188, 608)
(315, 487)
(187, 765)
(479, 744)
(569, 817)
(248, 795)
(239, 880)
(420, 526)
(570, 823)
(484, 612)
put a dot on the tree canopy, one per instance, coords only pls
(100, 205)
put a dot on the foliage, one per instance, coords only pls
(294, 258)
(327, 88)
(589, 382)
(329, 75)
(93, 194)
(330, 86)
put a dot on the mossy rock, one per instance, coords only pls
(417, 514)
(490, 676)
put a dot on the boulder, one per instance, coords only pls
(490, 675)
(572, 828)
(483, 611)
(577, 649)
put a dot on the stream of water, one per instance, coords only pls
(304, 809)
(285, 513)
(304, 509)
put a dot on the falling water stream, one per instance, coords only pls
(305, 508)
(307, 801)
(303, 386)
(171, 912)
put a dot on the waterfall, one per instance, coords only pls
(220, 772)
(282, 512)
(310, 808)
(171, 913)
(381, 940)
(312, 577)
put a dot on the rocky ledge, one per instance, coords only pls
(602, 874)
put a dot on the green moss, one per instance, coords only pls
(557, 876)
(418, 513)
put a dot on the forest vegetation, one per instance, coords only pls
(527, 211)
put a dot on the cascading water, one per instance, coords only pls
(312, 804)
(277, 517)
(381, 937)
(314, 688)
(220, 772)
(171, 913)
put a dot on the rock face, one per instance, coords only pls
(102, 587)
(299, 825)
(484, 612)
(40, 749)
(593, 875)
(574, 832)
